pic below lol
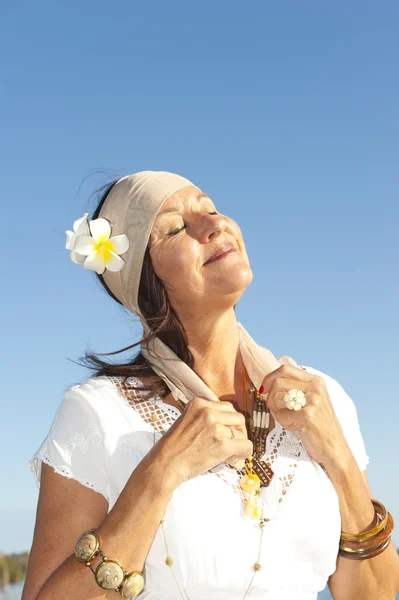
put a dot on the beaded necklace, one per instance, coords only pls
(258, 424)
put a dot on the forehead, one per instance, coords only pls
(184, 196)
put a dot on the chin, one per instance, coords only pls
(243, 275)
(238, 281)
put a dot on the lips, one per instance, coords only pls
(222, 249)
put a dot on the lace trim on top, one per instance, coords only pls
(282, 452)
(35, 466)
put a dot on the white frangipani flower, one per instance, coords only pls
(80, 227)
(94, 248)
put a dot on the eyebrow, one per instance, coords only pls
(172, 210)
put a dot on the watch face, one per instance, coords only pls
(132, 586)
(86, 546)
(109, 575)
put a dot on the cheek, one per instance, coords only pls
(174, 260)
(235, 230)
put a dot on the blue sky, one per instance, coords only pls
(285, 113)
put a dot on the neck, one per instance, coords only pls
(217, 358)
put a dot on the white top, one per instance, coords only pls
(98, 436)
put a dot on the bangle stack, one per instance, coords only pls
(371, 542)
(109, 574)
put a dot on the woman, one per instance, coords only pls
(210, 469)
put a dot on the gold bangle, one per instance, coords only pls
(380, 509)
(367, 553)
(109, 574)
(380, 538)
(370, 547)
(363, 550)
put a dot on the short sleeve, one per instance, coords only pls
(75, 444)
(346, 412)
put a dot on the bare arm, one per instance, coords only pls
(196, 442)
(66, 509)
(376, 578)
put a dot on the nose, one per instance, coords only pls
(211, 226)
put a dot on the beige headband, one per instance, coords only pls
(131, 208)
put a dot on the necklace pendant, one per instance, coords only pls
(263, 471)
(253, 507)
(259, 425)
(250, 483)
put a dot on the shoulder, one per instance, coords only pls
(336, 391)
(92, 391)
(347, 415)
(338, 395)
(97, 394)
(97, 388)
(329, 380)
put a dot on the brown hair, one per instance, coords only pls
(164, 322)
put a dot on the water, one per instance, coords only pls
(11, 592)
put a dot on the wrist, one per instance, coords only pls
(161, 465)
(340, 464)
(357, 511)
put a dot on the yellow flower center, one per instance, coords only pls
(105, 248)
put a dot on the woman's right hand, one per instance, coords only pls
(201, 438)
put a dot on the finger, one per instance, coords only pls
(290, 419)
(239, 434)
(220, 405)
(225, 405)
(240, 449)
(286, 371)
(280, 387)
(231, 419)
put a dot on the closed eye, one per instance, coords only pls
(176, 231)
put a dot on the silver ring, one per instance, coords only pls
(295, 399)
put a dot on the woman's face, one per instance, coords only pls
(186, 233)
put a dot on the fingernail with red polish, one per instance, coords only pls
(261, 389)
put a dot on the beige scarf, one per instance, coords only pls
(131, 208)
